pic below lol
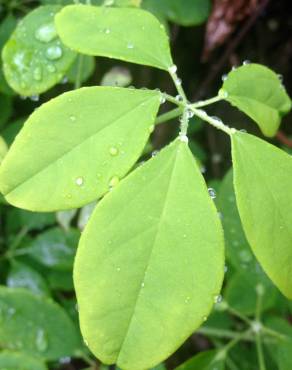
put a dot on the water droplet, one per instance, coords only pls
(190, 113)
(234, 68)
(114, 151)
(154, 153)
(151, 128)
(72, 118)
(54, 52)
(280, 77)
(223, 94)
(11, 312)
(179, 98)
(142, 285)
(256, 326)
(218, 298)
(183, 138)
(37, 73)
(130, 45)
(41, 341)
(86, 342)
(187, 299)
(51, 68)
(162, 99)
(224, 77)
(245, 256)
(212, 193)
(118, 269)
(225, 268)
(243, 130)
(114, 182)
(178, 81)
(34, 98)
(46, 33)
(172, 69)
(107, 31)
(205, 318)
(64, 80)
(217, 120)
(79, 181)
(246, 62)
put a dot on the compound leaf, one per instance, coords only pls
(35, 325)
(262, 179)
(34, 58)
(146, 271)
(259, 93)
(101, 31)
(76, 146)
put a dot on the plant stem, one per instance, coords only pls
(260, 352)
(79, 70)
(236, 313)
(274, 333)
(177, 83)
(222, 333)
(168, 116)
(204, 103)
(213, 121)
(18, 238)
(173, 100)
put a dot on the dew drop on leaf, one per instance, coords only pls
(37, 73)
(79, 181)
(212, 193)
(72, 118)
(114, 182)
(172, 69)
(114, 151)
(41, 341)
(46, 33)
(130, 45)
(51, 68)
(54, 52)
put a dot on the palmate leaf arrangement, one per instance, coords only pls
(150, 262)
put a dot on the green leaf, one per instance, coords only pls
(203, 361)
(34, 58)
(60, 280)
(282, 349)
(10, 131)
(185, 13)
(92, 137)
(23, 276)
(85, 214)
(259, 93)
(83, 65)
(146, 272)
(10, 360)
(262, 179)
(20, 219)
(55, 248)
(35, 325)
(101, 31)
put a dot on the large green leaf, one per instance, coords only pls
(78, 145)
(262, 179)
(259, 93)
(101, 31)
(55, 248)
(203, 361)
(151, 259)
(34, 58)
(36, 325)
(10, 360)
(185, 13)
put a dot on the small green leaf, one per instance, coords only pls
(258, 92)
(55, 248)
(11, 360)
(34, 58)
(185, 13)
(206, 360)
(23, 276)
(262, 179)
(35, 325)
(152, 272)
(101, 31)
(90, 137)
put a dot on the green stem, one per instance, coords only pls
(213, 121)
(204, 103)
(19, 237)
(242, 317)
(274, 333)
(222, 333)
(168, 116)
(260, 352)
(177, 83)
(79, 71)
(173, 100)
